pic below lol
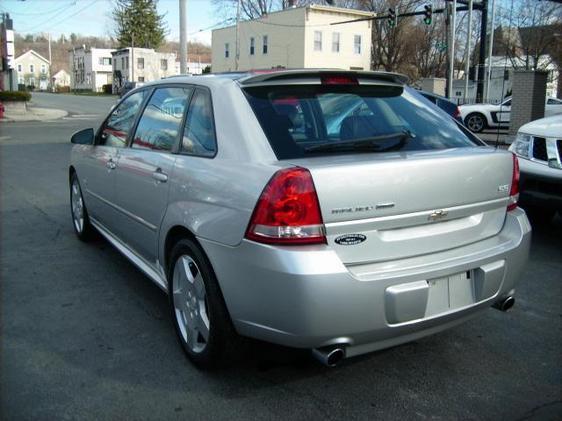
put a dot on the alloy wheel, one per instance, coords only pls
(77, 206)
(475, 123)
(190, 303)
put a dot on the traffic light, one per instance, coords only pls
(428, 14)
(392, 17)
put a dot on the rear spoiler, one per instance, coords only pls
(314, 76)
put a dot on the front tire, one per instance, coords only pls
(80, 220)
(200, 317)
(475, 122)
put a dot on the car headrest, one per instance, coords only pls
(357, 127)
(285, 109)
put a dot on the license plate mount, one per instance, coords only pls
(449, 293)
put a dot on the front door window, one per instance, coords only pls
(117, 126)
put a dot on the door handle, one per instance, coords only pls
(158, 175)
(111, 164)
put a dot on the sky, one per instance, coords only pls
(93, 17)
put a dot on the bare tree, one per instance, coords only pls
(249, 9)
(392, 46)
(429, 57)
(528, 32)
(253, 9)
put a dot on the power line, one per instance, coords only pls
(58, 12)
(212, 26)
(286, 25)
(67, 17)
(42, 13)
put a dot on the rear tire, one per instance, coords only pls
(80, 220)
(201, 320)
(475, 122)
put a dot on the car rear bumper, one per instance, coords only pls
(306, 297)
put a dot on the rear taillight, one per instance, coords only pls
(288, 211)
(457, 113)
(514, 192)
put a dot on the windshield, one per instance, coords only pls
(297, 119)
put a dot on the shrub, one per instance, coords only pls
(14, 96)
(63, 89)
(107, 89)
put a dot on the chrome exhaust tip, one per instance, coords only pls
(505, 304)
(330, 357)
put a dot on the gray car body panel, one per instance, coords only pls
(313, 296)
(308, 298)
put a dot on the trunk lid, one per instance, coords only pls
(389, 206)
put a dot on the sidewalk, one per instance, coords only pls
(33, 114)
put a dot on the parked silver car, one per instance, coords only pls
(232, 195)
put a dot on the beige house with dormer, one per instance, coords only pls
(296, 37)
(32, 69)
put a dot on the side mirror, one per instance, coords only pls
(83, 137)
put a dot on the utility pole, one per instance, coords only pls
(183, 36)
(467, 60)
(132, 56)
(451, 72)
(482, 54)
(490, 50)
(7, 51)
(49, 80)
(237, 52)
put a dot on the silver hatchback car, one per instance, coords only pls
(331, 210)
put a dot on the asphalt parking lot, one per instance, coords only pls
(85, 335)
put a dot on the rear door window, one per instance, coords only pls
(301, 120)
(161, 119)
(199, 132)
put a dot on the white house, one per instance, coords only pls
(32, 69)
(60, 78)
(296, 37)
(148, 65)
(502, 78)
(193, 67)
(90, 68)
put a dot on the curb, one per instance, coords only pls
(32, 115)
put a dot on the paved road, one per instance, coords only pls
(85, 335)
(75, 104)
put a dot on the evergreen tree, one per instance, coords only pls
(138, 23)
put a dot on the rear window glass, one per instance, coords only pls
(309, 120)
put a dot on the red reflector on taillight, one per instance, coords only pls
(514, 191)
(339, 80)
(457, 113)
(288, 211)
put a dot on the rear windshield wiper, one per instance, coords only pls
(367, 144)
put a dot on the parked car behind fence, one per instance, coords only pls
(478, 117)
